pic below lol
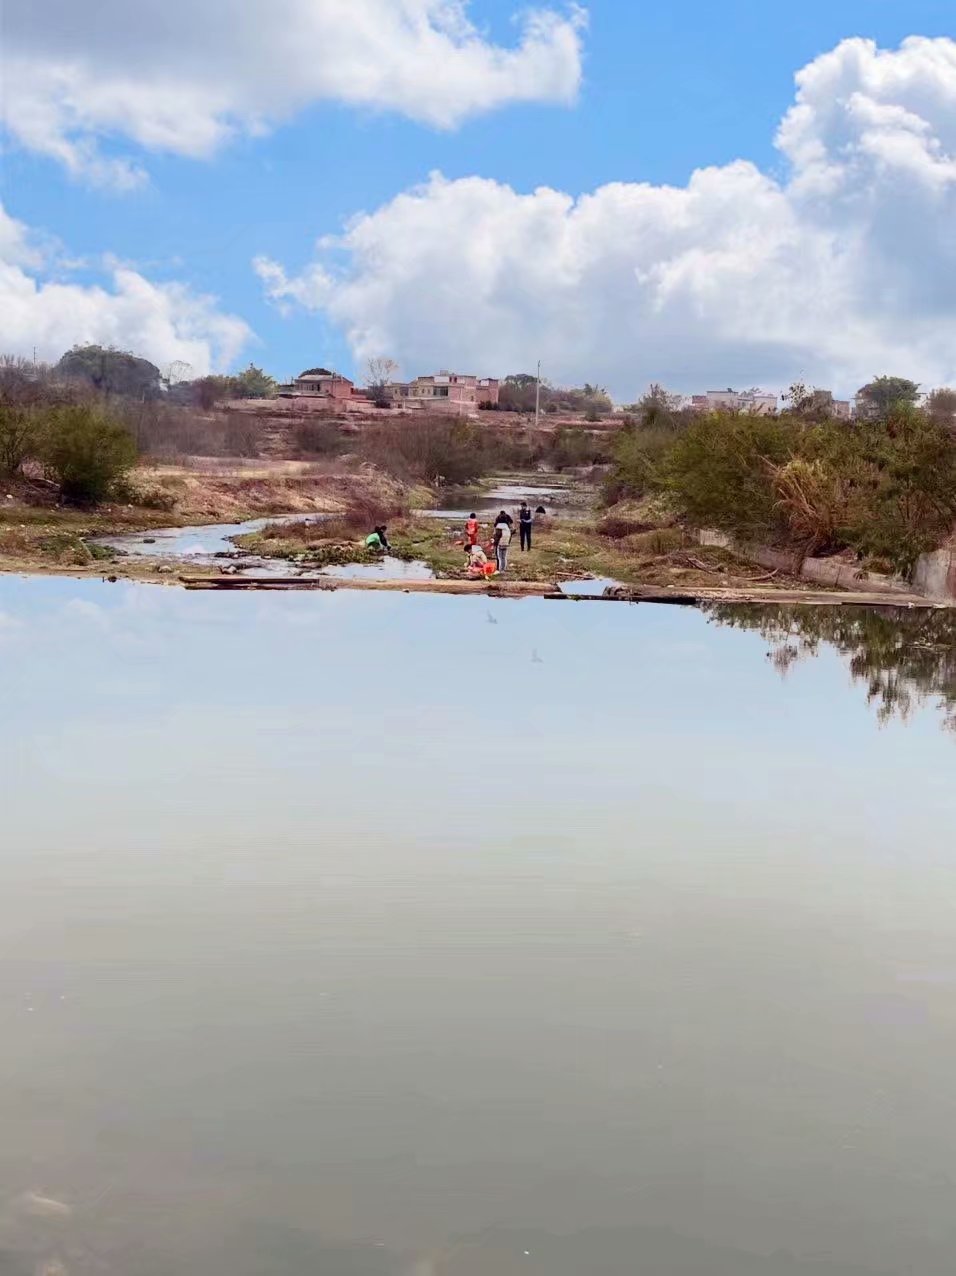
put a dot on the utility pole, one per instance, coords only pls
(537, 396)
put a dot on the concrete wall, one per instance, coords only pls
(935, 575)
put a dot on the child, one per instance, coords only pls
(502, 541)
(471, 530)
(477, 560)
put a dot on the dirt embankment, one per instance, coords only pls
(223, 494)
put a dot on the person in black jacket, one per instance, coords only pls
(525, 521)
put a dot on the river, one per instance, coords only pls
(386, 935)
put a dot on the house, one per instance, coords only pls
(839, 409)
(321, 383)
(728, 400)
(453, 392)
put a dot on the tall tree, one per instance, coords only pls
(881, 396)
(658, 408)
(941, 407)
(379, 371)
(253, 383)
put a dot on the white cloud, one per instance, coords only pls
(162, 321)
(845, 269)
(183, 75)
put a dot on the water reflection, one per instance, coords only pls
(904, 657)
(339, 935)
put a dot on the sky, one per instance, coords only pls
(702, 195)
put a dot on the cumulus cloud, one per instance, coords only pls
(845, 268)
(184, 75)
(163, 321)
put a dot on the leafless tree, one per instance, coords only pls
(379, 371)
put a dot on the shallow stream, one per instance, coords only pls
(213, 545)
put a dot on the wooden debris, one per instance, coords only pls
(686, 596)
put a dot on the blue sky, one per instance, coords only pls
(664, 91)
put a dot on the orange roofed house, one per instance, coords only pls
(323, 384)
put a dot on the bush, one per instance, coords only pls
(570, 449)
(615, 528)
(86, 450)
(899, 475)
(439, 450)
(719, 469)
(317, 438)
(657, 541)
(885, 488)
(243, 436)
(638, 453)
(19, 437)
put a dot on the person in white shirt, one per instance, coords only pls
(502, 541)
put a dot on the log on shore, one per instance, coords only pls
(675, 595)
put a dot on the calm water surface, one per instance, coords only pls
(365, 935)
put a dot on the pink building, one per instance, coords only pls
(322, 383)
(445, 391)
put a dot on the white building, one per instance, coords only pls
(758, 401)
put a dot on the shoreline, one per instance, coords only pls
(673, 595)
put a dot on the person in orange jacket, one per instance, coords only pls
(471, 530)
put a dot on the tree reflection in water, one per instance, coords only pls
(906, 658)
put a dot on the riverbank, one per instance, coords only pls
(39, 534)
(289, 519)
(563, 549)
(687, 596)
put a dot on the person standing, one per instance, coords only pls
(471, 530)
(525, 521)
(502, 541)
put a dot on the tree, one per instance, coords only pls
(718, 469)
(111, 371)
(253, 383)
(212, 390)
(807, 403)
(658, 408)
(379, 371)
(176, 373)
(85, 449)
(878, 398)
(18, 437)
(798, 398)
(22, 381)
(517, 393)
(24, 388)
(941, 408)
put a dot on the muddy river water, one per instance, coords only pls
(386, 935)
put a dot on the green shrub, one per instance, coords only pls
(638, 454)
(719, 469)
(900, 473)
(86, 451)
